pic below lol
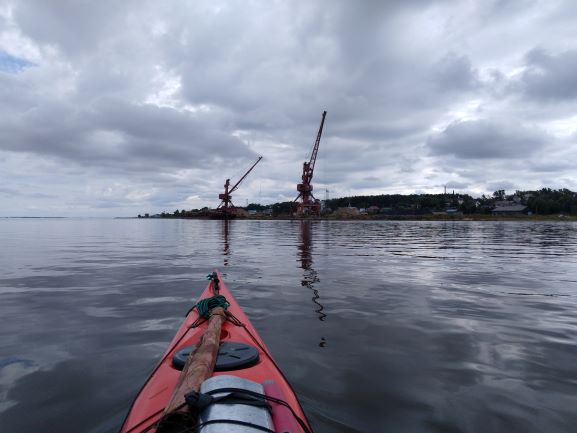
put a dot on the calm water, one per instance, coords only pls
(380, 326)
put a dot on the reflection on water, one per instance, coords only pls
(310, 276)
(225, 236)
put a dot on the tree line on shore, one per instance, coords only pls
(545, 201)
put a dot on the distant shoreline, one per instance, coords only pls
(532, 218)
(432, 218)
(535, 218)
(34, 217)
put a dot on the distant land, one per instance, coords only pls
(521, 204)
(34, 217)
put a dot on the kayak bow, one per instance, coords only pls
(240, 390)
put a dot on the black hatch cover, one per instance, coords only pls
(231, 356)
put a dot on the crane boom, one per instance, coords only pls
(313, 159)
(245, 175)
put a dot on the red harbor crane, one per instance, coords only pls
(226, 208)
(307, 204)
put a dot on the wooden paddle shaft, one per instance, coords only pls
(199, 365)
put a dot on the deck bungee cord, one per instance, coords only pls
(197, 402)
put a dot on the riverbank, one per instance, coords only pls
(427, 217)
(535, 218)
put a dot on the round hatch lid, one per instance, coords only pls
(231, 356)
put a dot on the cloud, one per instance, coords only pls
(502, 184)
(77, 28)
(457, 185)
(374, 131)
(8, 191)
(112, 132)
(456, 73)
(550, 77)
(485, 139)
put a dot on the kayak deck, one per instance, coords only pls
(148, 407)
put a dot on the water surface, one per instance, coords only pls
(380, 326)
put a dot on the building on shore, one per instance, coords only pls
(507, 207)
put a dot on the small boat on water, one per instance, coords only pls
(217, 375)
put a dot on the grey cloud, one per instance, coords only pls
(327, 61)
(552, 166)
(14, 93)
(377, 182)
(8, 191)
(500, 9)
(375, 131)
(19, 192)
(550, 77)
(114, 132)
(456, 73)
(457, 185)
(484, 139)
(74, 26)
(503, 184)
(41, 195)
(165, 132)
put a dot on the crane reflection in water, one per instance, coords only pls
(226, 245)
(310, 275)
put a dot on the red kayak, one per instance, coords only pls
(244, 391)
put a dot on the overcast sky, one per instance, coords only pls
(114, 108)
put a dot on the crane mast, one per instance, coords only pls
(226, 207)
(306, 202)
